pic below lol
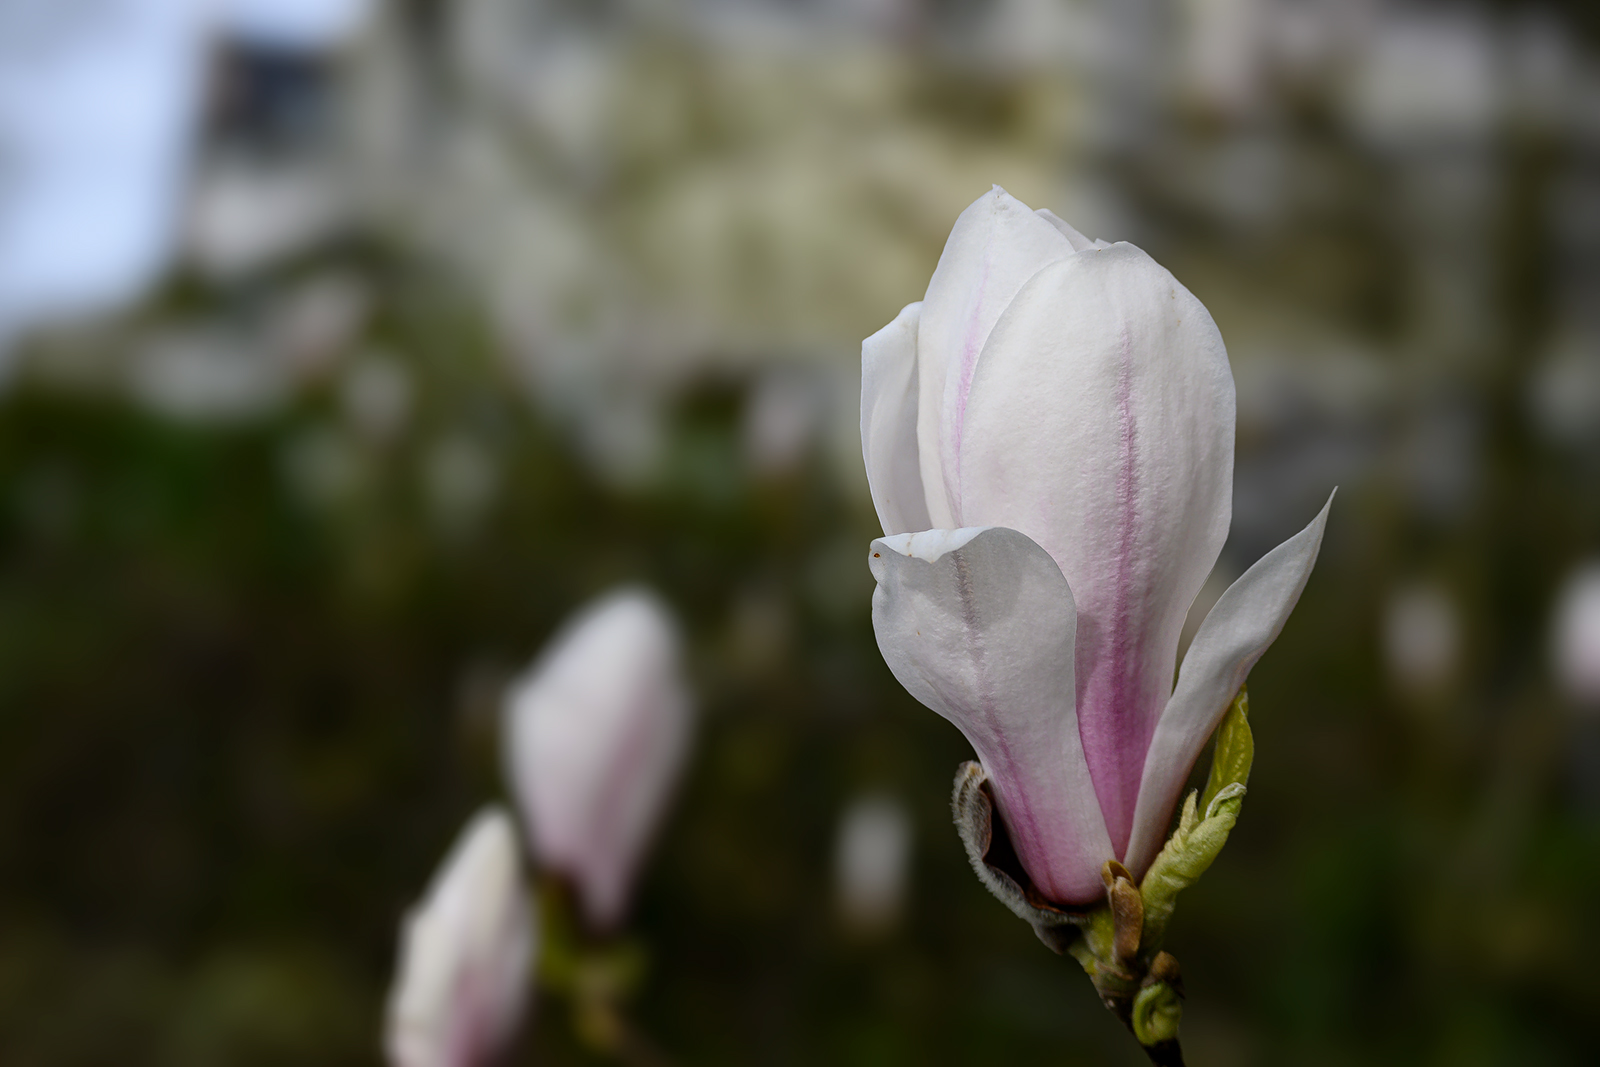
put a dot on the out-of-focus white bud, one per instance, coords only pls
(871, 855)
(596, 733)
(466, 953)
(1421, 638)
(1576, 641)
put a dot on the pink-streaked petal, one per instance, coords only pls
(596, 733)
(997, 244)
(1244, 622)
(466, 955)
(1078, 241)
(1100, 424)
(889, 423)
(979, 625)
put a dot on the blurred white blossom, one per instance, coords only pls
(1576, 640)
(1421, 637)
(466, 955)
(1223, 51)
(872, 852)
(596, 733)
(245, 216)
(205, 373)
(317, 319)
(1428, 75)
(1564, 390)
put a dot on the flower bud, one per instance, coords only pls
(596, 734)
(1048, 437)
(466, 953)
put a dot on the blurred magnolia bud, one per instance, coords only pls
(597, 731)
(871, 854)
(1576, 643)
(1421, 638)
(466, 953)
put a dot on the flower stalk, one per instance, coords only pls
(598, 975)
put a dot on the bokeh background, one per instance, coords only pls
(349, 346)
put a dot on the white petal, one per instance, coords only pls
(1078, 241)
(1100, 424)
(596, 734)
(994, 248)
(1244, 622)
(978, 624)
(466, 955)
(889, 423)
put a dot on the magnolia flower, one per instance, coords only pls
(1048, 437)
(465, 955)
(597, 731)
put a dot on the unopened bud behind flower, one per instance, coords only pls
(466, 954)
(596, 733)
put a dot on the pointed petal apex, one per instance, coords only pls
(1245, 621)
(1078, 241)
(996, 245)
